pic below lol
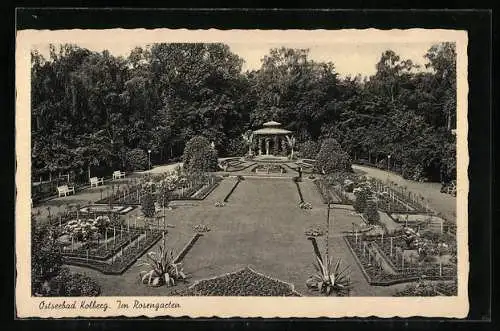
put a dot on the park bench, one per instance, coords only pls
(94, 181)
(65, 189)
(118, 174)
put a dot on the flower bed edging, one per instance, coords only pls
(232, 190)
(314, 242)
(358, 262)
(187, 248)
(299, 191)
(208, 191)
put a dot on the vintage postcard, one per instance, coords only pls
(241, 173)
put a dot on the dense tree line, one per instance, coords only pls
(92, 110)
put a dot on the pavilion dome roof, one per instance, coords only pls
(271, 123)
(271, 130)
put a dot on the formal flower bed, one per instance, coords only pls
(397, 199)
(424, 288)
(429, 247)
(387, 204)
(414, 268)
(269, 169)
(206, 190)
(235, 165)
(102, 251)
(179, 188)
(119, 264)
(245, 282)
(326, 192)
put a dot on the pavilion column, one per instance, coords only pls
(260, 145)
(276, 148)
(267, 146)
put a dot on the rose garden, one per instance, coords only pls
(167, 172)
(252, 225)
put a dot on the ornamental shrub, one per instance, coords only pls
(46, 257)
(67, 284)
(199, 156)
(371, 212)
(148, 205)
(361, 194)
(331, 158)
(236, 146)
(137, 159)
(309, 149)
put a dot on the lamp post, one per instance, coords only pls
(388, 162)
(149, 159)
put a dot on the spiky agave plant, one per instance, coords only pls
(163, 270)
(330, 278)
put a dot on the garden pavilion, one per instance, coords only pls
(270, 137)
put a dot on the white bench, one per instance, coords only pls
(118, 174)
(65, 189)
(94, 181)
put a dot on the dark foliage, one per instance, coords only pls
(137, 159)
(199, 156)
(68, 284)
(46, 257)
(148, 205)
(331, 158)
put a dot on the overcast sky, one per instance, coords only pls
(349, 58)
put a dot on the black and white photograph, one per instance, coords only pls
(299, 166)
